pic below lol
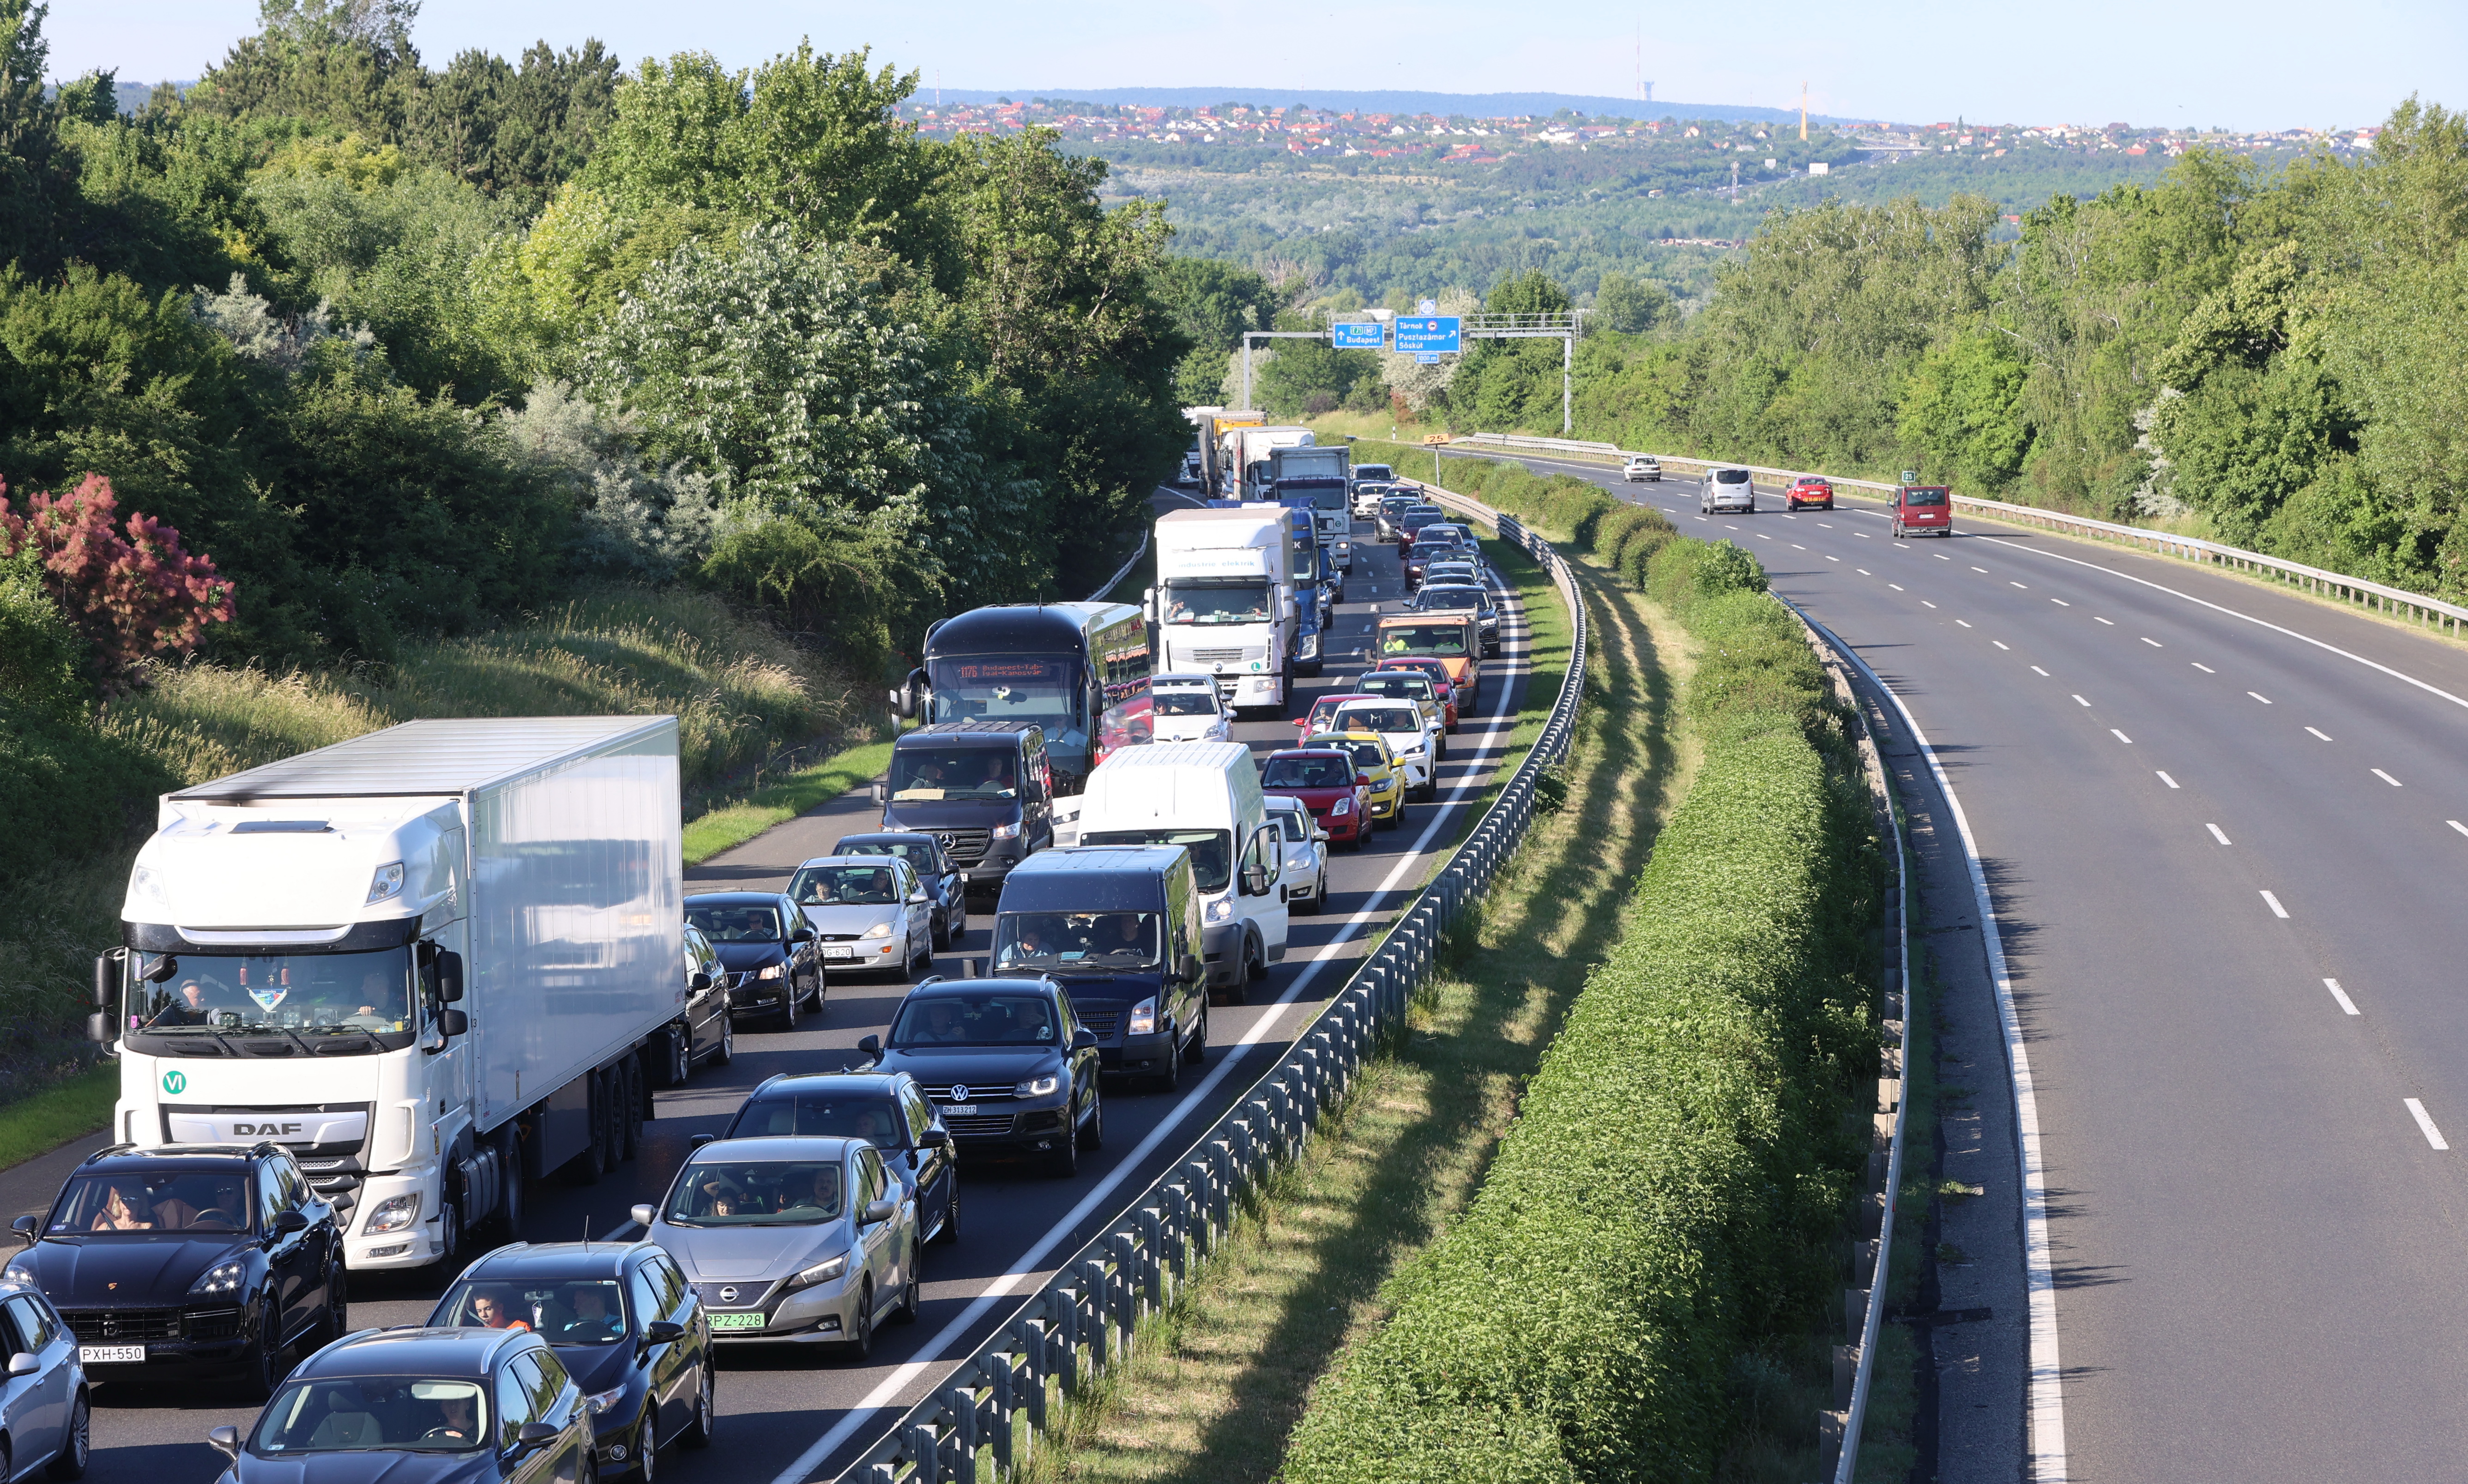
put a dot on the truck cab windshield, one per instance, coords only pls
(1216, 602)
(328, 1004)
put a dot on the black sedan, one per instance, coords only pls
(891, 1112)
(205, 1260)
(947, 884)
(473, 1405)
(768, 950)
(624, 1323)
(1006, 1064)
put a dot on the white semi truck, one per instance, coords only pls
(1246, 458)
(429, 960)
(1224, 601)
(1320, 476)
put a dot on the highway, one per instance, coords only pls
(797, 1415)
(2223, 828)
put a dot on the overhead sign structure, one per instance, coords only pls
(1427, 359)
(1427, 306)
(1432, 335)
(1366, 335)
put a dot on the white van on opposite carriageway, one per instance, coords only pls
(1204, 797)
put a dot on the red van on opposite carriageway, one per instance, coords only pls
(1922, 509)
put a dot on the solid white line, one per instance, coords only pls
(2166, 778)
(2341, 994)
(2154, 643)
(2318, 732)
(2120, 736)
(2047, 1404)
(2097, 619)
(1028, 1262)
(2425, 1122)
(2036, 669)
(2217, 833)
(2259, 695)
(2387, 778)
(2276, 910)
(2205, 669)
(2078, 700)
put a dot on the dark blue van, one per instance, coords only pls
(981, 789)
(1118, 926)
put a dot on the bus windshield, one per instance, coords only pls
(1044, 689)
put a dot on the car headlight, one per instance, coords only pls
(1343, 806)
(1037, 1087)
(1221, 911)
(221, 1278)
(18, 1274)
(1143, 1019)
(824, 1271)
(392, 1214)
(1309, 647)
(771, 972)
(878, 930)
(599, 1401)
(1006, 831)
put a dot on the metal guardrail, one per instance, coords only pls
(1082, 1324)
(1122, 572)
(2428, 612)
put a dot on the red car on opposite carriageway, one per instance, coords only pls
(1809, 489)
(1327, 783)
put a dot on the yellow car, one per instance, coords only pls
(1378, 767)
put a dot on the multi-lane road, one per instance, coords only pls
(2225, 831)
(796, 1416)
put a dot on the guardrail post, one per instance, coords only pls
(924, 1452)
(1001, 1388)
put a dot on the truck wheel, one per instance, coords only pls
(679, 1054)
(1255, 962)
(510, 1193)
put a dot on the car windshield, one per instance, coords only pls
(1448, 599)
(373, 1412)
(1216, 602)
(1186, 703)
(1321, 712)
(199, 1201)
(924, 774)
(1041, 940)
(915, 853)
(1413, 687)
(1447, 639)
(869, 1116)
(317, 1003)
(1212, 851)
(736, 925)
(826, 886)
(582, 1311)
(1924, 498)
(1369, 753)
(1381, 718)
(989, 1019)
(756, 1193)
(1307, 773)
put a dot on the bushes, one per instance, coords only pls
(1679, 1168)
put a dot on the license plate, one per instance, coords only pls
(109, 1354)
(839, 950)
(736, 1321)
(960, 1107)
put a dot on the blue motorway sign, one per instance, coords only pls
(1366, 335)
(1428, 334)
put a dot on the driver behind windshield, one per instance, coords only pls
(596, 1320)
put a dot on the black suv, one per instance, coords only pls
(1006, 1063)
(204, 1258)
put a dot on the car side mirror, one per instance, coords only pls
(917, 896)
(802, 935)
(702, 1139)
(1191, 968)
(533, 1434)
(877, 1213)
(642, 1216)
(935, 1138)
(660, 1332)
(453, 1024)
(1082, 1039)
(1255, 881)
(287, 1223)
(224, 1440)
(698, 981)
(27, 1227)
(24, 1363)
(871, 1045)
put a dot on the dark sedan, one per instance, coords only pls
(768, 950)
(945, 882)
(1437, 597)
(624, 1322)
(207, 1260)
(469, 1405)
(891, 1112)
(1006, 1063)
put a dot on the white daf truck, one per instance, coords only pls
(1225, 603)
(428, 960)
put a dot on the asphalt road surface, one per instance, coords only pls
(798, 1414)
(2225, 831)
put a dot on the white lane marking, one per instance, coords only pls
(2002, 644)
(1028, 1262)
(1788, 516)
(1983, 571)
(2042, 673)
(2425, 1122)
(2120, 736)
(2061, 602)
(2341, 996)
(2318, 732)
(1964, 622)
(2457, 825)
(1862, 535)
(2387, 778)
(1704, 517)
(2276, 910)
(1827, 524)
(1762, 536)
(1940, 556)
(2154, 643)
(2166, 778)
(2097, 619)
(2010, 582)
(2217, 833)
(2079, 700)
(1730, 528)
(2205, 669)
(1924, 602)
(1831, 558)
(2259, 695)
(1896, 587)
(1863, 571)
(1795, 546)
(2046, 1429)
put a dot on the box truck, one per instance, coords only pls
(1204, 797)
(1224, 603)
(1322, 477)
(1246, 458)
(428, 960)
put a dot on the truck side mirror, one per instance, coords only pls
(106, 975)
(1190, 969)
(449, 976)
(99, 1030)
(1255, 881)
(452, 1024)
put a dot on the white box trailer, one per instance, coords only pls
(1204, 797)
(1225, 600)
(428, 959)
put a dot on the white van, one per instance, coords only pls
(1204, 797)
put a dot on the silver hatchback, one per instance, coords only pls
(795, 1240)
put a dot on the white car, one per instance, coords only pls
(1727, 489)
(1409, 734)
(1187, 708)
(870, 913)
(1642, 468)
(1305, 853)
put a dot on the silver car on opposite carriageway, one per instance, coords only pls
(797, 1240)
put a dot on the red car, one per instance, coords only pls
(1810, 490)
(1438, 671)
(1324, 709)
(1324, 779)
(1922, 509)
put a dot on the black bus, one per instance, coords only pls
(1080, 670)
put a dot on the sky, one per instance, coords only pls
(2246, 64)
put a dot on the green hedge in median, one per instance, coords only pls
(1678, 1175)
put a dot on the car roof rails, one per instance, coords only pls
(108, 1149)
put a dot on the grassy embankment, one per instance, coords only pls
(742, 692)
(1212, 1396)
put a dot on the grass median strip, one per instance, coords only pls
(80, 1105)
(775, 802)
(1212, 1393)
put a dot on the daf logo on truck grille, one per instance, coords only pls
(267, 1130)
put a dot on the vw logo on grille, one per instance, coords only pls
(728, 1295)
(959, 1092)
